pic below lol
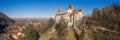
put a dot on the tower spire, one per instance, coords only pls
(70, 7)
(59, 12)
(80, 10)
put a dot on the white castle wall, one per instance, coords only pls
(57, 19)
(68, 19)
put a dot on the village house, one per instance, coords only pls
(16, 34)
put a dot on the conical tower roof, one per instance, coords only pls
(70, 7)
(59, 12)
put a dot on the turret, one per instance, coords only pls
(58, 15)
(80, 13)
(70, 9)
(80, 10)
(59, 12)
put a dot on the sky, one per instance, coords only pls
(48, 8)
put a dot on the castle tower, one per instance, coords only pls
(80, 13)
(58, 16)
(80, 10)
(70, 9)
(59, 12)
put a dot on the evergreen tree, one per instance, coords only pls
(30, 34)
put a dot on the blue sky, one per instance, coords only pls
(48, 8)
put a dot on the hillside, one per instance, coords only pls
(91, 33)
(5, 19)
(102, 24)
(4, 22)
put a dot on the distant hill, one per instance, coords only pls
(4, 22)
(5, 19)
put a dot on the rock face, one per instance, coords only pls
(59, 32)
(93, 33)
(5, 19)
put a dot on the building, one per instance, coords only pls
(69, 16)
(17, 34)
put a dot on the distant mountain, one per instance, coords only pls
(4, 22)
(5, 19)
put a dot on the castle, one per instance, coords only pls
(70, 17)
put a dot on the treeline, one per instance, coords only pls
(108, 17)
